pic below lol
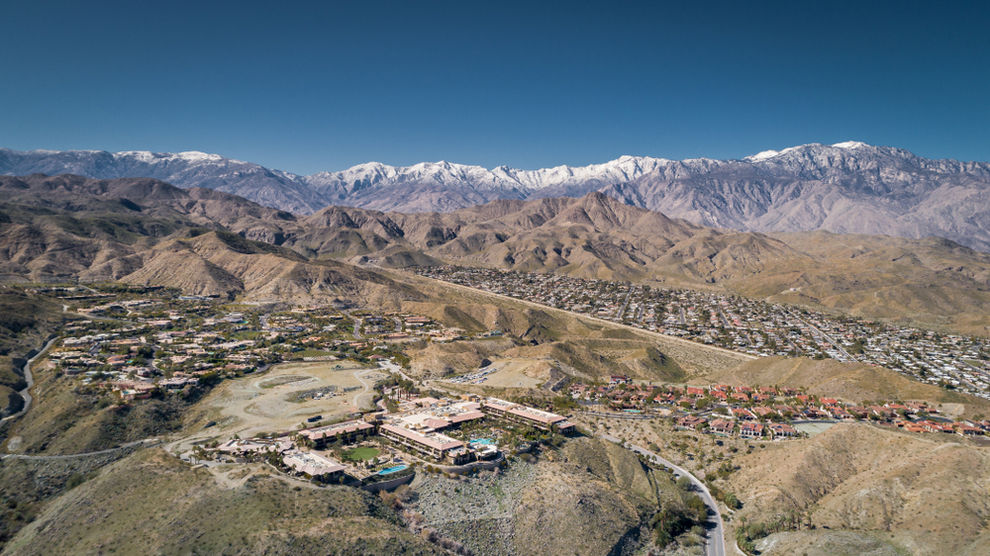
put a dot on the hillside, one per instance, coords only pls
(919, 495)
(147, 232)
(176, 510)
(25, 323)
(144, 231)
(587, 498)
(576, 344)
(932, 282)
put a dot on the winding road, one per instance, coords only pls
(714, 536)
(29, 380)
(144, 442)
(366, 386)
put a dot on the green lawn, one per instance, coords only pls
(362, 453)
(313, 353)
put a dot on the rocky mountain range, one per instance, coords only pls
(848, 187)
(145, 231)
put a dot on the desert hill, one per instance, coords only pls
(147, 232)
(587, 497)
(919, 495)
(543, 342)
(25, 321)
(175, 507)
(932, 281)
(59, 228)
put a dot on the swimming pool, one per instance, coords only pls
(393, 469)
(481, 442)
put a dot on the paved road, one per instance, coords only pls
(394, 367)
(715, 536)
(830, 339)
(357, 325)
(625, 305)
(145, 442)
(630, 416)
(665, 337)
(29, 380)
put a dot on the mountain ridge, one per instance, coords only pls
(847, 187)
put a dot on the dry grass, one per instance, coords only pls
(929, 491)
(153, 503)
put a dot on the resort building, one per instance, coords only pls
(347, 431)
(435, 445)
(516, 413)
(440, 417)
(313, 465)
(255, 446)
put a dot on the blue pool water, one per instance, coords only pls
(481, 442)
(393, 469)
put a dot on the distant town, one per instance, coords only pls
(746, 325)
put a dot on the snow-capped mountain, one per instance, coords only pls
(185, 169)
(848, 187)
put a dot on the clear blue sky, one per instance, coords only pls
(307, 87)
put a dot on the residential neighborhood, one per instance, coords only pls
(747, 325)
(769, 413)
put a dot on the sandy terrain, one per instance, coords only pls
(519, 373)
(274, 401)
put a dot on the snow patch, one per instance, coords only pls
(850, 145)
(143, 156)
(197, 156)
(763, 155)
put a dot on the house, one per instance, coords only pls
(838, 412)
(743, 414)
(815, 413)
(884, 413)
(721, 426)
(857, 411)
(783, 430)
(177, 382)
(690, 421)
(763, 412)
(751, 430)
